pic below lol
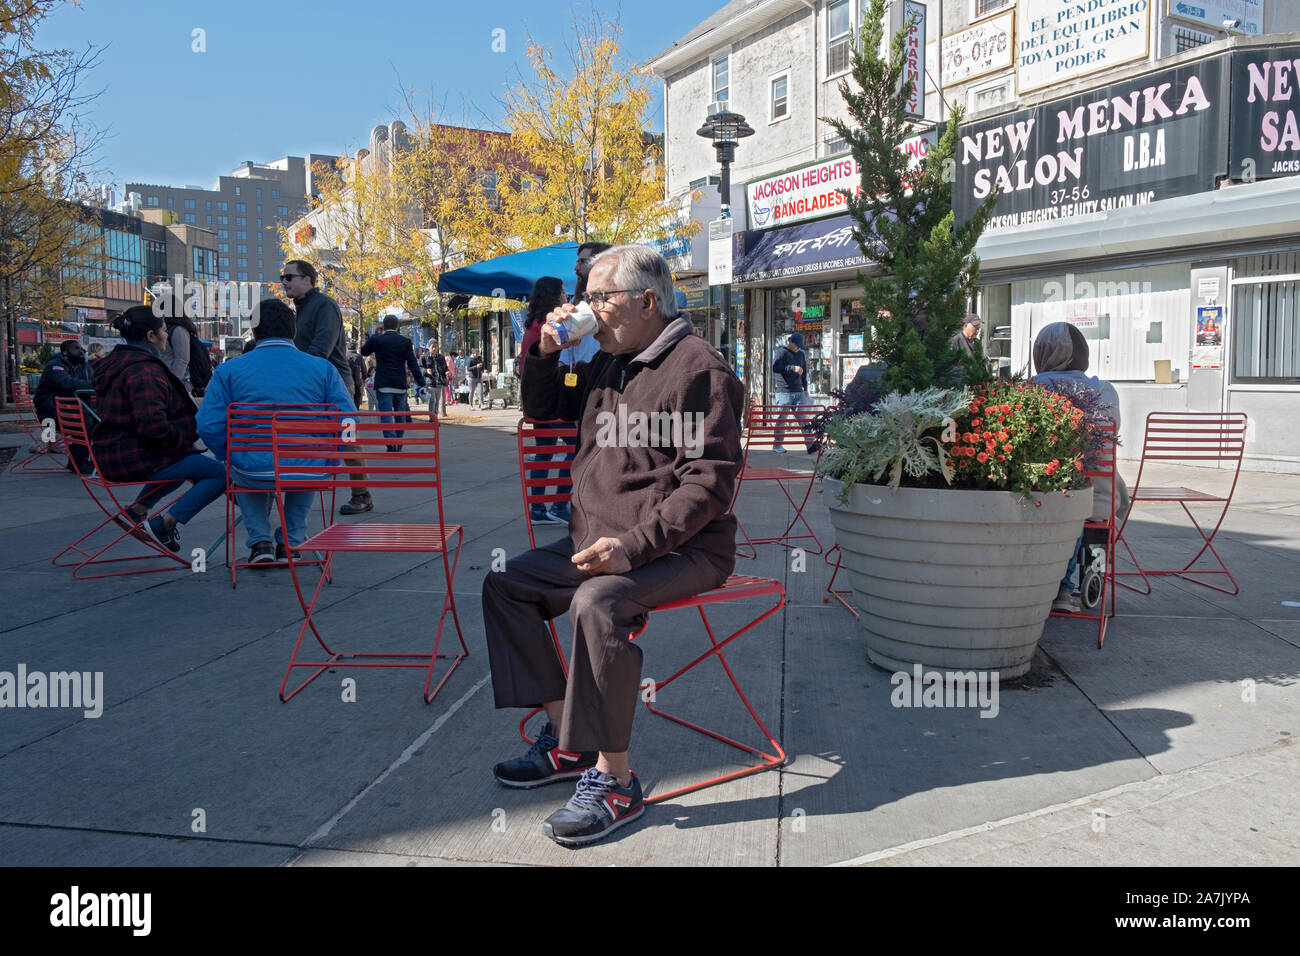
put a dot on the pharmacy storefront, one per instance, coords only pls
(1158, 215)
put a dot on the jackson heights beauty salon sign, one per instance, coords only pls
(1148, 138)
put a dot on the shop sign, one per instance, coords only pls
(1061, 40)
(981, 48)
(807, 249)
(1265, 116)
(720, 251)
(1215, 13)
(911, 15)
(696, 290)
(1145, 139)
(812, 192)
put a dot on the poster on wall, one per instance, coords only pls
(1061, 40)
(1148, 138)
(1265, 139)
(981, 48)
(1209, 325)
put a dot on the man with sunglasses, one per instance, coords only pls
(650, 525)
(320, 332)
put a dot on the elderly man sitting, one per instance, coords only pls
(276, 374)
(649, 525)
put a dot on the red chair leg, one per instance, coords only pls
(766, 760)
(833, 591)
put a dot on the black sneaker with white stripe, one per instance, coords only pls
(544, 763)
(598, 806)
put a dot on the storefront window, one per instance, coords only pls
(807, 311)
(1131, 318)
(1266, 319)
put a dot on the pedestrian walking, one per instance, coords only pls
(394, 355)
(437, 367)
(791, 371)
(474, 372)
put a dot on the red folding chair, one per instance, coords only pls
(72, 423)
(248, 428)
(737, 588)
(1096, 581)
(769, 426)
(41, 460)
(1181, 437)
(347, 442)
(831, 590)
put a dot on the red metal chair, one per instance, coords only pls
(41, 459)
(72, 423)
(737, 588)
(1181, 437)
(831, 590)
(248, 428)
(769, 426)
(347, 442)
(1104, 467)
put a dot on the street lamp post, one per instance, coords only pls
(725, 129)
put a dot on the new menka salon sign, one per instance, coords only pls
(1149, 138)
(813, 192)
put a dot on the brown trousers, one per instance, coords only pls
(605, 610)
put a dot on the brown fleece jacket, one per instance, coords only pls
(657, 482)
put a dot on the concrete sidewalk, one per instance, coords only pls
(1173, 745)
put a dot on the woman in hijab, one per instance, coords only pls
(1061, 361)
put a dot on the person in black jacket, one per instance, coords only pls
(474, 372)
(394, 354)
(791, 368)
(436, 365)
(358, 367)
(65, 374)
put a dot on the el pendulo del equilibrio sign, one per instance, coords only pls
(1147, 138)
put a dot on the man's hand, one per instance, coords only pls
(549, 343)
(606, 556)
(797, 369)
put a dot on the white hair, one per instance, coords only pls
(640, 267)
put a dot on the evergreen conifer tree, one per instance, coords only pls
(905, 223)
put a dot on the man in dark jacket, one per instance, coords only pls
(394, 354)
(964, 339)
(66, 374)
(650, 525)
(791, 368)
(320, 332)
(357, 365)
(474, 372)
(436, 365)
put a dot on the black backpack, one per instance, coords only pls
(200, 367)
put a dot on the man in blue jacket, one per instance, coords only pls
(394, 354)
(275, 373)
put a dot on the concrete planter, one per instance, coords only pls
(954, 580)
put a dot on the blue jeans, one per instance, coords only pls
(790, 400)
(208, 476)
(256, 507)
(393, 402)
(563, 473)
(1070, 582)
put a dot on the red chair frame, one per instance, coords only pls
(72, 423)
(248, 428)
(831, 590)
(766, 428)
(1104, 467)
(738, 587)
(34, 463)
(1182, 437)
(348, 442)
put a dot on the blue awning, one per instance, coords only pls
(513, 276)
(805, 249)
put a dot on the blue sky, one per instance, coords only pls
(311, 76)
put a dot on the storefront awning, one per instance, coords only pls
(799, 251)
(512, 276)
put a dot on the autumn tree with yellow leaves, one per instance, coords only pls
(49, 244)
(590, 170)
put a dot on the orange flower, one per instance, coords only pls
(1007, 449)
(982, 457)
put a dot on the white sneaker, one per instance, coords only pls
(1067, 602)
(778, 449)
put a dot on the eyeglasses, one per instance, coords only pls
(599, 299)
(286, 276)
